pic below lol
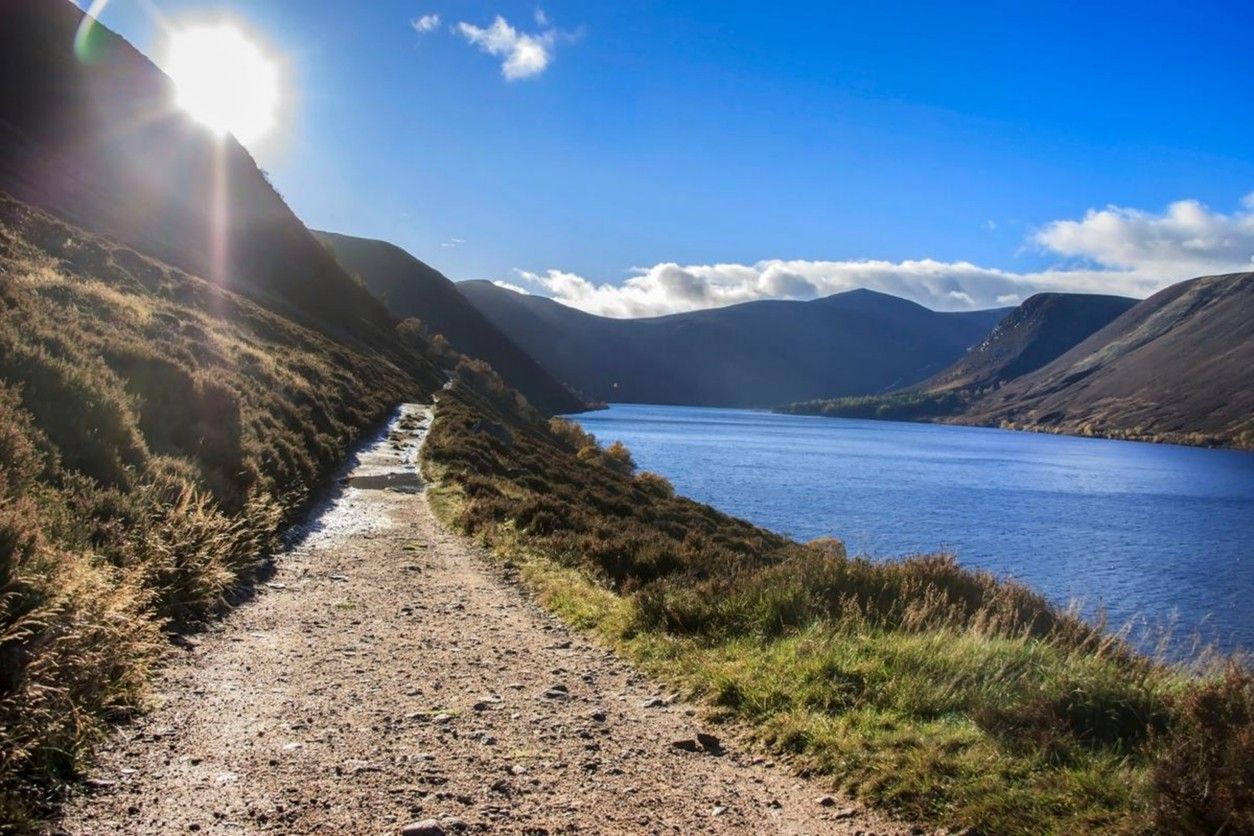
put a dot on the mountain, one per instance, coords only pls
(1038, 331)
(411, 288)
(92, 134)
(1176, 367)
(748, 355)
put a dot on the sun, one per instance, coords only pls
(224, 80)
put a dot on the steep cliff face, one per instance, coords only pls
(1038, 331)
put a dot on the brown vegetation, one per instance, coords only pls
(1204, 774)
(155, 433)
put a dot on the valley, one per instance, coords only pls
(757, 354)
(295, 535)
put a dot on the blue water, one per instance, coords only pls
(1159, 536)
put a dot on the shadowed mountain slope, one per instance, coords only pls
(91, 133)
(1174, 367)
(1038, 331)
(411, 288)
(753, 354)
(1177, 367)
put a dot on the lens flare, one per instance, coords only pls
(86, 38)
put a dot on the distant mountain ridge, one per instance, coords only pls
(1177, 367)
(411, 288)
(1038, 331)
(754, 354)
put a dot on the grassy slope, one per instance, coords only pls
(940, 693)
(894, 406)
(155, 432)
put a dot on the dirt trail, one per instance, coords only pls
(386, 674)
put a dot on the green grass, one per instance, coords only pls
(156, 432)
(941, 694)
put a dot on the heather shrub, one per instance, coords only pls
(79, 405)
(1204, 774)
(74, 645)
(655, 484)
(618, 458)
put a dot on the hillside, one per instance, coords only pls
(93, 136)
(181, 369)
(1038, 331)
(156, 432)
(410, 288)
(1176, 367)
(753, 354)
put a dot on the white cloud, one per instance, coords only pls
(1123, 251)
(671, 288)
(453, 242)
(524, 55)
(509, 286)
(1187, 239)
(426, 23)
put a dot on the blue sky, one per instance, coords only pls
(651, 156)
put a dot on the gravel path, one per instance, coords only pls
(386, 676)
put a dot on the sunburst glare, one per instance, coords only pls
(224, 80)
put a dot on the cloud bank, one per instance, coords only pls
(523, 55)
(1115, 250)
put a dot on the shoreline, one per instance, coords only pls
(854, 506)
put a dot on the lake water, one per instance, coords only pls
(1161, 536)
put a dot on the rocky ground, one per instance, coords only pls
(385, 679)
